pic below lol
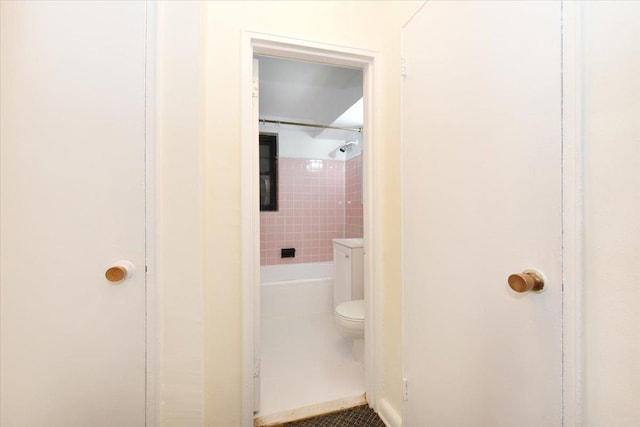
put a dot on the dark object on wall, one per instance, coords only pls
(288, 253)
(268, 172)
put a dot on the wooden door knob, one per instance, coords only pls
(116, 273)
(526, 281)
(119, 271)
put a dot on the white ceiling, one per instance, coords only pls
(309, 92)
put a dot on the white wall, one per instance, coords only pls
(611, 91)
(180, 260)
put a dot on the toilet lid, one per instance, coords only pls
(351, 309)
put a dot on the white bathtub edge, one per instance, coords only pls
(270, 274)
(294, 298)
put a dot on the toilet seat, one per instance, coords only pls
(351, 311)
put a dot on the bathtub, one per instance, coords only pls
(296, 289)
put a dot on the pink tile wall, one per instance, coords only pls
(354, 224)
(318, 200)
(310, 212)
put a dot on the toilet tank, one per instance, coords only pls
(348, 266)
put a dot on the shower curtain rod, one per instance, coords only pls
(280, 122)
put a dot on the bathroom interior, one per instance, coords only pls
(311, 237)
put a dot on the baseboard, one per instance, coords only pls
(389, 416)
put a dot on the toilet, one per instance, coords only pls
(350, 319)
(348, 295)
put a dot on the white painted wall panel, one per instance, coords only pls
(611, 94)
(180, 223)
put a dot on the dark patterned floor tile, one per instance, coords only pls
(362, 416)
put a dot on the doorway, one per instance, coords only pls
(310, 185)
(275, 47)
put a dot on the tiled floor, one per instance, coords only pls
(362, 416)
(305, 361)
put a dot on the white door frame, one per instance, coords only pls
(368, 61)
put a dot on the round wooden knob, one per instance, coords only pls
(524, 282)
(116, 274)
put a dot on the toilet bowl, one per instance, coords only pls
(350, 320)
